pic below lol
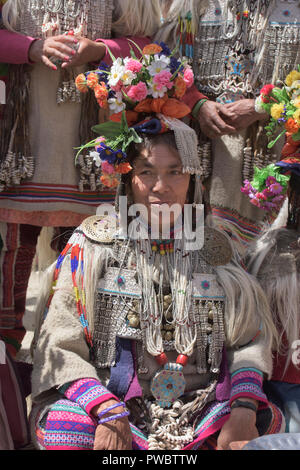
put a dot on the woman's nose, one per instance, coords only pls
(161, 185)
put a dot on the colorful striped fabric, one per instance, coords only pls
(69, 427)
(248, 383)
(87, 393)
(47, 193)
(243, 230)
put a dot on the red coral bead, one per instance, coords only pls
(182, 359)
(161, 359)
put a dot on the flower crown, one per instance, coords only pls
(269, 186)
(133, 90)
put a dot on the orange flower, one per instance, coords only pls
(103, 103)
(92, 80)
(80, 83)
(152, 49)
(100, 91)
(290, 147)
(180, 87)
(175, 109)
(291, 126)
(123, 168)
(109, 180)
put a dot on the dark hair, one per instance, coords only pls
(149, 141)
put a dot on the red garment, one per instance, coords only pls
(292, 374)
(14, 48)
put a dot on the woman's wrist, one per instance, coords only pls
(244, 403)
(34, 52)
(109, 411)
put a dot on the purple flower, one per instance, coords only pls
(106, 153)
(276, 188)
(270, 180)
(247, 188)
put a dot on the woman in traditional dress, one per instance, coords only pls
(170, 330)
(46, 45)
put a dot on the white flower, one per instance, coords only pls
(127, 77)
(116, 72)
(116, 104)
(158, 64)
(96, 158)
(155, 92)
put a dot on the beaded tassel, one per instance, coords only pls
(74, 246)
(186, 36)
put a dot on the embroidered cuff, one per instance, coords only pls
(247, 383)
(87, 393)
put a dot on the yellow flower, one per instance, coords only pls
(296, 116)
(292, 76)
(277, 111)
(296, 102)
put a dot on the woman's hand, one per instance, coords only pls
(242, 114)
(54, 47)
(88, 51)
(60, 48)
(212, 120)
(239, 427)
(115, 434)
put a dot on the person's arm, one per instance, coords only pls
(62, 364)
(14, 47)
(249, 356)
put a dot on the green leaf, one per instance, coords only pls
(271, 144)
(124, 124)
(109, 129)
(138, 48)
(132, 53)
(110, 53)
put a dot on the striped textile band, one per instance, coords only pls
(244, 230)
(68, 427)
(47, 193)
(247, 383)
(87, 393)
(75, 248)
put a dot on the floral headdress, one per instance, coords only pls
(142, 95)
(269, 186)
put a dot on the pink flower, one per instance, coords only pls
(255, 202)
(276, 188)
(188, 77)
(270, 180)
(138, 92)
(107, 168)
(133, 65)
(261, 196)
(163, 79)
(118, 87)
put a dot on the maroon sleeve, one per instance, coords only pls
(14, 47)
(120, 47)
(192, 96)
